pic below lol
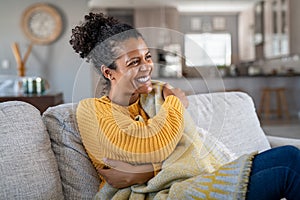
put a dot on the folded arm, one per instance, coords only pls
(121, 174)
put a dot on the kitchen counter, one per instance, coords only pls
(265, 75)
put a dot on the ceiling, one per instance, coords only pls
(181, 5)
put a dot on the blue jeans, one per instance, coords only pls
(275, 174)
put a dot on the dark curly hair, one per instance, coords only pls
(98, 37)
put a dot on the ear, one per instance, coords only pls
(106, 72)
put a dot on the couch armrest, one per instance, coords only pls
(280, 141)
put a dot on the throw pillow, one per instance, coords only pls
(231, 118)
(28, 168)
(79, 177)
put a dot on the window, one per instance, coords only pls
(207, 49)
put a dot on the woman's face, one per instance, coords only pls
(134, 68)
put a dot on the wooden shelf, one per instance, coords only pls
(40, 101)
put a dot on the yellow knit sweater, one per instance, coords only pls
(127, 133)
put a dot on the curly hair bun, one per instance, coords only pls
(96, 28)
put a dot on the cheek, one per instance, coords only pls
(152, 66)
(130, 73)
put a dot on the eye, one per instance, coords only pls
(133, 62)
(148, 56)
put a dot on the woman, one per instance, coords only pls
(143, 123)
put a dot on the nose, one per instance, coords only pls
(145, 67)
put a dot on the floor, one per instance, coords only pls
(282, 128)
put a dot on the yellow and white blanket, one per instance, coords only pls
(197, 169)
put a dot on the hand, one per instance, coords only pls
(122, 174)
(168, 90)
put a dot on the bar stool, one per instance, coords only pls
(281, 110)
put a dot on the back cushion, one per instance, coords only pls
(231, 118)
(28, 168)
(79, 177)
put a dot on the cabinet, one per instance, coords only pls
(264, 30)
(163, 17)
(276, 28)
(41, 102)
(294, 26)
(246, 35)
(159, 27)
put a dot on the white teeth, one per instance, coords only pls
(143, 79)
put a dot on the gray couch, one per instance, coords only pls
(42, 157)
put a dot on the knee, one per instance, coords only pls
(291, 151)
(290, 148)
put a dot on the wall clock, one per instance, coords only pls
(42, 23)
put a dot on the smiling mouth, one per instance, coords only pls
(143, 79)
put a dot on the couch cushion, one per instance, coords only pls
(79, 177)
(231, 118)
(28, 168)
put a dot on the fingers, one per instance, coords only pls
(109, 162)
(118, 165)
(168, 90)
(168, 86)
(127, 167)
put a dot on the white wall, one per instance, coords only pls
(56, 62)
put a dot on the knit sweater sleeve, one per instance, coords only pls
(109, 131)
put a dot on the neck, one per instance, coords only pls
(123, 99)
